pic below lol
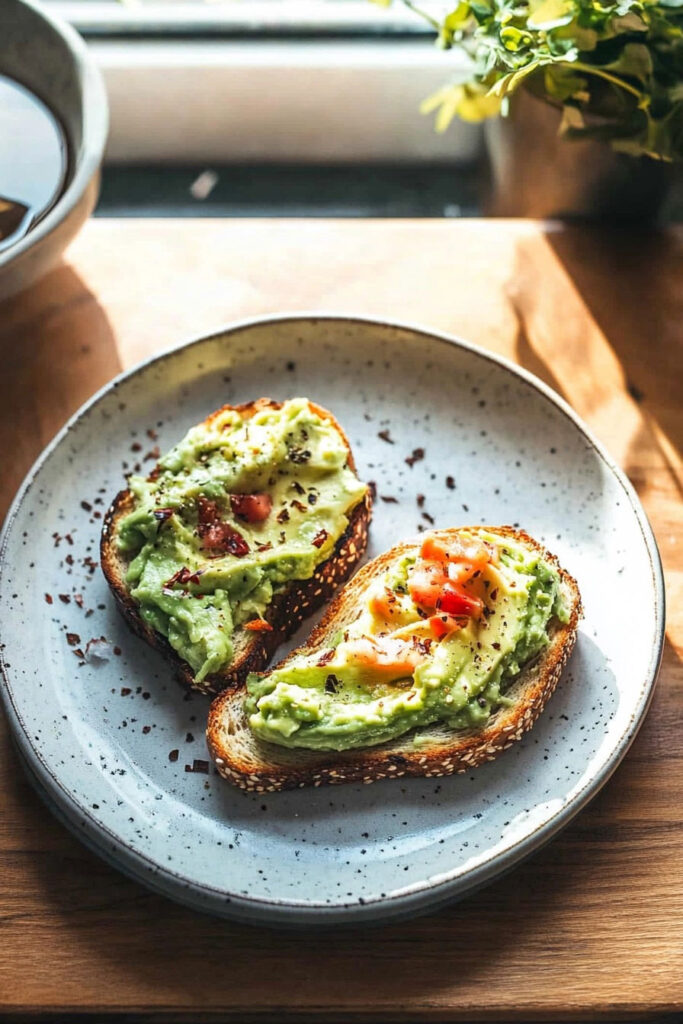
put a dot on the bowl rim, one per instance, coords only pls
(95, 118)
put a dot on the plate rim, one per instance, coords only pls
(420, 896)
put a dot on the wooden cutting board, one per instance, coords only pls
(589, 927)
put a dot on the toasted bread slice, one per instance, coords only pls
(289, 606)
(263, 767)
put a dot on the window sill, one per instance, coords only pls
(285, 101)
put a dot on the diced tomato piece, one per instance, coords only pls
(446, 563)
(208, 512)
(436, 547)
(387, 653)
(224, 539)
(217, 535)
(457, 602)
(460, 572)
(258, 626)
(442, 625)
(426, 582)
(253, 508)
(382, 605)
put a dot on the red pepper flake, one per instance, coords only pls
(125, 691)
(224, 539)
(372, 488)
(69, 559)
(48, 598)
(388, 500)
(417, 456)
(173, 755)
(258, 626)
(68, 538)
(420, 500)
(117, 652)
(152, 455)
(385, 436)
(494, 593)
(264, 547)
(299, 505)
(428, 518)
(78, 598)
(146, 729)
(136, 446)
(450, 483)
(72, 639)
(79, 653)
(64, 598)
(152, 434)
(86, 506)
(184, 576)
(162, 514)
(326, 657)
(283, 516)
(320, 538)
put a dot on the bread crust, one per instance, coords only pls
(261, 767)
(287, 610)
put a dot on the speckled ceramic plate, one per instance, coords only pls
(118, 747)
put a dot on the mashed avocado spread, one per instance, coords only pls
(405, 662)
(234, 512)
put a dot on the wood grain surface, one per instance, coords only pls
(591, 926)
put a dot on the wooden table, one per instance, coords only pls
(590, 927)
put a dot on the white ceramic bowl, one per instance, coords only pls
(49, 58)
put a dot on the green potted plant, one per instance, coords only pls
(591, 93)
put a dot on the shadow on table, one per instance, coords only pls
(629, 283)
(57, 348)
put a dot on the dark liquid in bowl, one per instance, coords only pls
(33, 161)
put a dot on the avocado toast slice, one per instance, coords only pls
(246, 527)
(432, 659)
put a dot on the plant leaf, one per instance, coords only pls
(550, 14)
